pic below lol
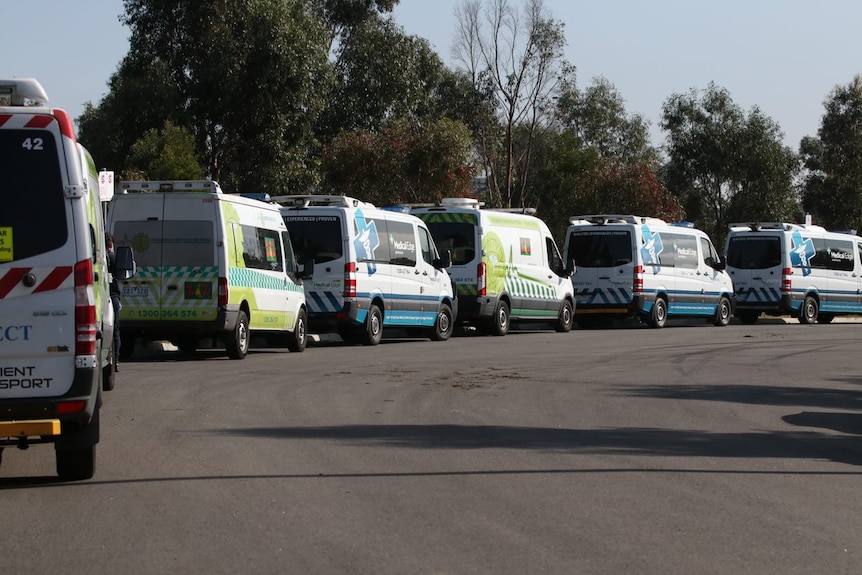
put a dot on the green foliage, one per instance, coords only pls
(833, 161)
(723, 163)
(402, 163)
(577, 180)
(167, 154)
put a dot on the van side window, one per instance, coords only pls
(840, 255)
(402, 243)
(426, 245)
(680, 249)
(261, 249)
(555, 261)
(710, 256)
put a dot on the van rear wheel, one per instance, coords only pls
(809, 311)
(748, 317)
(499, 322)
(373, 326)
(236, 342)
(658, 315)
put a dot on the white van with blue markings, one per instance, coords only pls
(372, 268)
(793, 269)
(634, 265)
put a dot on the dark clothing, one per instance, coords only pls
(115, 302)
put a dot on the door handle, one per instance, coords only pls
(173, 287)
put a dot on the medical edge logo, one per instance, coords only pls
(652, 248)
(366, 241)
(801, 252)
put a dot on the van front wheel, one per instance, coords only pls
(722, 313)
(658, 315)
(809, 311)
(443, 325)
(566, 318)
(236, 342)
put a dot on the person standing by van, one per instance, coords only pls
(115, 295)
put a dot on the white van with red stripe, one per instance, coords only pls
(56, 319)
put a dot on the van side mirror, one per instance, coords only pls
(124, 263)
(570, 269)
(719, 265)
(306, 269)
(444, 261)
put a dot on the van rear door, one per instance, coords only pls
(604, 273)
(38, 256)
(754, 261)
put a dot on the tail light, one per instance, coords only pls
(638, 283)
(350, 280)
(85, 309)
(481, 280)
(785, 280)
(223, 291)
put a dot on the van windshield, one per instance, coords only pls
(600, 248)
(753, 252)
(458, 238)
(33, 216)
(318, 237)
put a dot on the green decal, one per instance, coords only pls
(6, 254)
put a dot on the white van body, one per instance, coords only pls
(210, 265)
(56, 318)
(635, 265)
(801, 270)
(372, 269)
(505, 264)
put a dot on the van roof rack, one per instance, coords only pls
(210, 186)
(460, 203)
(306, 200)
(602, 219)
(23, 91)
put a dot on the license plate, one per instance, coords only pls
(135, 291)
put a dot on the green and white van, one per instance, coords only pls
(210, 265)
(505, 264)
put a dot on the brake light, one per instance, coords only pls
(785, 280)
(350, 280)
(223, 291)
(70, 407)
(481, 280)
(638, 284)
(85, 309)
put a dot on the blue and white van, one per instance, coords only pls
(801, 270)
(372, 268)
(635, 265)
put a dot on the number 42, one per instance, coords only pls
(33, 144)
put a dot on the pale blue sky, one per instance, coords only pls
(783, 56)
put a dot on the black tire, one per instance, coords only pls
(566, 317)
(748, 317)
(444, 325)
(809, 311)
(108, 375)
(188, 345)
(722, 312)
(127, 346)
(825, 317)
(237, 341)
(373, 326)
(76, 464)
(658, 315)
(499, 323)
(298, 338)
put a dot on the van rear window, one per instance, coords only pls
(33, 213)
(600, 248)
(458, 238)
(753, 252)
(313, 236)
(168, 243)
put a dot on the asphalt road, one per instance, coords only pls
(690, 449)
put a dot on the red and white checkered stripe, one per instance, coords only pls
(18, 121)
(47, 279)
